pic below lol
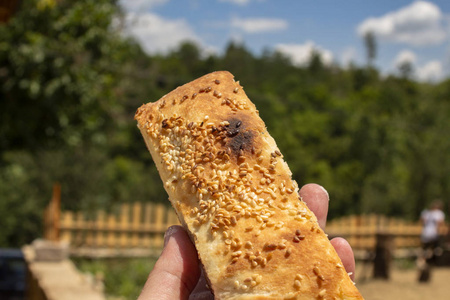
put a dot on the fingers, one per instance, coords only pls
(345, 252)
(176, 272)
(316, 197)
(201, 291)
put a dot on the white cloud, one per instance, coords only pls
(405, 56)
(157, 34)
(431, 71)
(258, 25)
(420, 23)
(140, 5)
(300, 54)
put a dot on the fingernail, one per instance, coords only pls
(326, 192)
(170, 231)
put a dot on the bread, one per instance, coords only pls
(233, 192)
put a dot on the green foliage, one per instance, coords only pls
(122, 277)
(70, 84)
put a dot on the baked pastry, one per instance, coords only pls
(233, 192)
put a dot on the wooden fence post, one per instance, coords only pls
(124, 224)
(52, 215)
(383, 255)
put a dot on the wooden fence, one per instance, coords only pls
(136, 229)
(360, 231)
(136, 225)
(142, 226)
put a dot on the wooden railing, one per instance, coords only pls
(142, 226)
(360, 231)
(136, 225)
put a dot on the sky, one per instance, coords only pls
(417, 32)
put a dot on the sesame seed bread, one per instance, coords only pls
(233, 192)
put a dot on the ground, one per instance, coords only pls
(403, 285)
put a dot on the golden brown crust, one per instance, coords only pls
(233, 192)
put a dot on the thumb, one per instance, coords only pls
(176, 272)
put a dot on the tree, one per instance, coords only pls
(60, 65)
(371, 47)
(64, 114)
(406, 69)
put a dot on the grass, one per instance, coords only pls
(123, 277)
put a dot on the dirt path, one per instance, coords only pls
(404, 286)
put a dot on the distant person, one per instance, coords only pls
(432, 219)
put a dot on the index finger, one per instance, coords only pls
(316, 197)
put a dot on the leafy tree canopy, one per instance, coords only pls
(70, 84)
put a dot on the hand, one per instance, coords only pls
(177, 275)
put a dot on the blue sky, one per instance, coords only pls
(414, 31)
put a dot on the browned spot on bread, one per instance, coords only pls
(239, 139)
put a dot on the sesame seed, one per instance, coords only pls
(270, 247)
(258, 278)
(317, 273)
(288, 252)
(236, 284)
(279, 225)
(264, 262)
